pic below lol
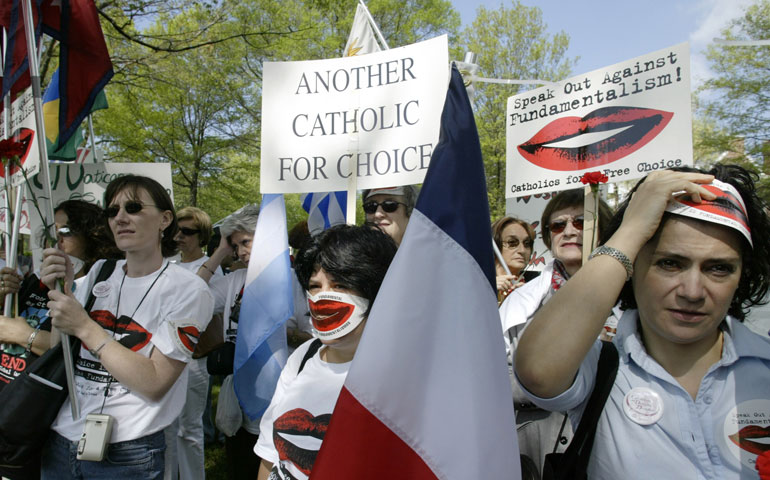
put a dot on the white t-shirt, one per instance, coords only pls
(170, 317)
(195, 265)
(299, 414)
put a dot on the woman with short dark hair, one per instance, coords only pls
(688, 252)
(341, 270)
(136, 340)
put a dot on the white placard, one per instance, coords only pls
(22, 130)
(376, 116)
(625, 120)
(84, 182)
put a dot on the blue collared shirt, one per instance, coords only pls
(694, 439)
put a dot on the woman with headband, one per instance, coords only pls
(687, 254)
(341, 270)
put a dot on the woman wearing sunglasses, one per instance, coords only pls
(82, 233)
(562, 226)
(389, 209)
(514, 238)
(136, 340)
(341, 270)
(687, 254)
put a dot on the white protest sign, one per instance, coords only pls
(376, 116)
(84, 182)
(624, 120)
(22, 130)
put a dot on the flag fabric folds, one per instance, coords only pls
(84, 62)
(428, 393)
(324, 210)
(15, 65)
(361, 39)
(69, 149)
(260, 348)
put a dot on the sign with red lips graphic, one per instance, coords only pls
(22, 130)
(624, 120)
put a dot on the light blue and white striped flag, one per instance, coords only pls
(325, 209)
(260, 348)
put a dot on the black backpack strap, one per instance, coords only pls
(104, 273)
(579, 451)
(311, 350)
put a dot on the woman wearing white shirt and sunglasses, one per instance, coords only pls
(136, 340)
(562, 224)
(389, 209)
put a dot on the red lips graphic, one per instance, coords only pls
(643, 124)
(25, 136)
(189, 336)
(741, 438)
(329, 314)
(725, 205)
(134, 336)
(299, 422)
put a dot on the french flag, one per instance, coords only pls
(268, 302)
(428, 393)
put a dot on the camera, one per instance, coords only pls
(96, 436)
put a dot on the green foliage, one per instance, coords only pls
(511, 42)
(736, 101)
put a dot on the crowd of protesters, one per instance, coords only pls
(681, 263)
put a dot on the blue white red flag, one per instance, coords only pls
(428, 394)
(260, 347)
(325, 209)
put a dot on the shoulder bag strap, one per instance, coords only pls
(312, 349)
(579, 451)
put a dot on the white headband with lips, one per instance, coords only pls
(335, 314)
(727, 209)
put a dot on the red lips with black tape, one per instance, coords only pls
(299, 422)
(641, 126)
(743, 436)
(133, 335)
(329, 314)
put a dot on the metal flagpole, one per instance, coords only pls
(374, 26)
(8, 309)
(45, 176)
(91, 135)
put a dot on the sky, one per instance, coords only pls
(605, 32)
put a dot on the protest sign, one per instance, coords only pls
(84, 182)
(22, 129)
(375, 116)
(625, 120)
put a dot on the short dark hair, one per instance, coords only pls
(132, 184)
(357, 256)
(86, 220)
(572, 198)
(501, 224)
(755, 273)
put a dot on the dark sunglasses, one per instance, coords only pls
(559, 225)
(64, 232)
(388, 206)
(131, 207)
(188, 232)
(513, 243)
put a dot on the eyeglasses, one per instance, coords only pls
(64, 232)
(388, 206)
(131, 207)
(188, 232)
(514, 242)
(559, 225)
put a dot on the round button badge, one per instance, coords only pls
(101, 289)
(643, 405)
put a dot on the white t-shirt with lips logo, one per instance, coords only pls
(295, 423)
(170, 317)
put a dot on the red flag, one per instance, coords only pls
(84, 62)
(15, 65)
